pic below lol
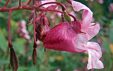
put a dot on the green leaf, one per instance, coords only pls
(19, 46)
(3, 43)
(22, 68)
(2, 62)
(33, 68)
(111, 35)
(106, 45)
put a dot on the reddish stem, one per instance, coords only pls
(9, 28)
(63, 17)
(73, 17)
(63, 7)
(35, 45)
(50, 10)
(6, 4)
(19, 3)
(28, 3)
(28, 8)
(13, 9)
(46, 57)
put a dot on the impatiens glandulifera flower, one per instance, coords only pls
(71, 36)
(74, 37)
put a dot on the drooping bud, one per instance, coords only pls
(34, 56)
(13, 60)
(42, 32)
(42, 28)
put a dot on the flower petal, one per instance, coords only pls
(92, 30)
(62, 37)
(94, 52)
(45, 1)
(87, 13)
(80, 42)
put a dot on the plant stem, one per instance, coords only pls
(46, 57)
(63, 7)
(28, 3)
(35, 45)
(9, 28)
(6, 4)
(73, 17)
(50, 10)
(19, 3)
(62, 17)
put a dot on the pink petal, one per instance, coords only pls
(101, 1)
(62, 37)
(80, 42)
(52, 7)
(94, 52)
(45, 1)
(87, 13)
(92, 30)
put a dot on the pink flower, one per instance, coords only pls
(100, 1)
(74, 38)
(111, 7)
(58, 70)
(22, 29)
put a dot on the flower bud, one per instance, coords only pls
(13, 60)
(34, 56)
(42, 28)
(42, 32)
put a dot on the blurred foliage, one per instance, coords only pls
(53, 60)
